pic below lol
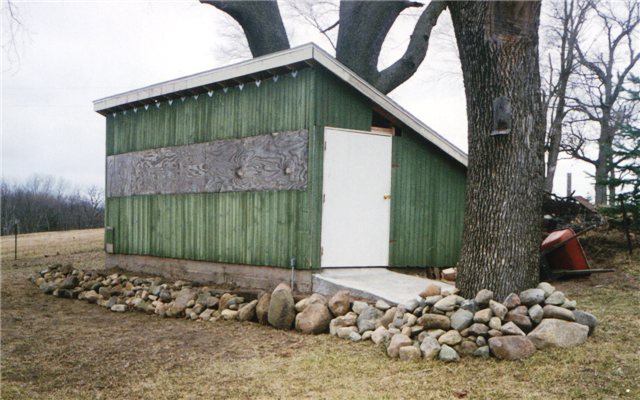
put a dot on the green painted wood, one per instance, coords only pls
(262, 228)
(427, 204)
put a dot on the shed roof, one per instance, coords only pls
(265, 67)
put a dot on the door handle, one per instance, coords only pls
(387, 196)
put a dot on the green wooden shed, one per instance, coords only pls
(235, 174)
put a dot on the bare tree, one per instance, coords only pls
(605, 63)
(14, 31)
(363, 27)
(566, 21)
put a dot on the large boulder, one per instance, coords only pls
(511, 347)
(558, 333)
(340, 303)
(315, 319)
(368, 318)
(262, 309)
(180, 303)
(282, 311)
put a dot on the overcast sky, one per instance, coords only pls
(78, 52)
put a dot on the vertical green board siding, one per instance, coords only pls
(338, 105)
(271, 107)
(255, 228)
(427, 204)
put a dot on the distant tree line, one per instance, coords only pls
(44, 203)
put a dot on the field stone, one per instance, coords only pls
(247, 312)
(430, 290)
(262, 309)
(483, 316)
(447, 304)
(381, 334)
(478, 329)
(340, 303)
(301, 304)
(586, 319)
(112, 302)
(495, 323)
(317, 298)
(522, 321)
(498, 309)
(430, 347)
(398, 341)
(104, 292)
(224, 299)
(511, 301)
(229, 315)
(119, 308)
(91, 296)
(556, 299)
(359, 306)
(547, 288)
(355, 337)
(481, 341)
(412, 305)
(483, 297)
(70, 283)
(461, 319)
(315, 319)
(345, 331)
(511, 329)
(367, 335)
(49, 288)
(536, 313)
(281, 307)
(569, 304)
(166, 296)
(469, 305)
(198, 308)
(532, 296)
(432, 300)
(434, 321)
(368, 318)
(206, 314)
(382, 305)
(398, 318)
(388, 317)
(406, 331)
(558, 313)
(346, 320)
(511, 347)
(410, 353)
(468, 347)
(553, 332)
(447, 354)
(450, 338)
(482, 352)
(181, 302)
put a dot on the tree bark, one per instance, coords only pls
(498, 46)
(261, 22)
(364, 25)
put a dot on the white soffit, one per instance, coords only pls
(308, 53)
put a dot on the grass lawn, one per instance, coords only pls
(66, 349)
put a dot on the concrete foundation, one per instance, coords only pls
(204, 272)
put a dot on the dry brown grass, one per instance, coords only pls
(47, 244)
(64, 349)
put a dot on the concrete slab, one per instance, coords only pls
(372, 284)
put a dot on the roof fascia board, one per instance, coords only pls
(249, 67)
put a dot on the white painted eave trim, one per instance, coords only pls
(277, 60)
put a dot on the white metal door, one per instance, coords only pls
(356, 199)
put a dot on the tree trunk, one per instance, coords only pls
(498, 46)
(603, 162)
(261, 22)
